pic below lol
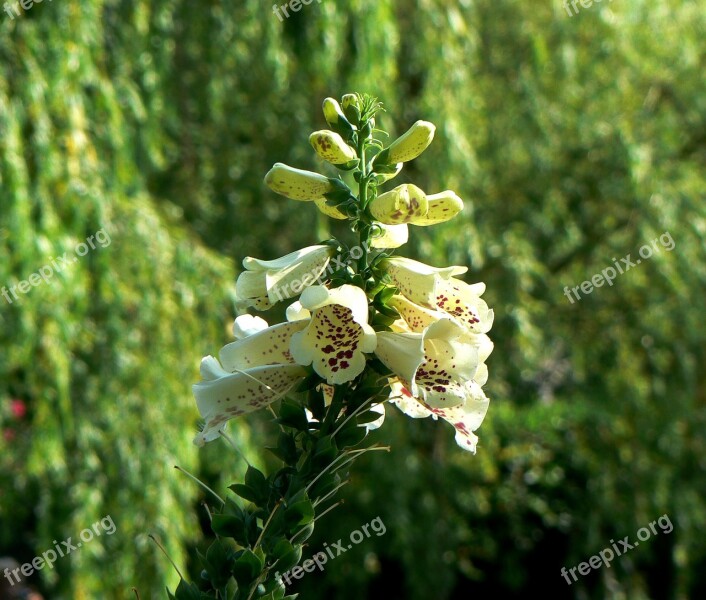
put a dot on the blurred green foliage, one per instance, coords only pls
(574, 141)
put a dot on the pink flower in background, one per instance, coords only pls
(18, 408)
(8, 435)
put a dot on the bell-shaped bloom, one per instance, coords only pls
(337, 334)
(408, 204)
(442, 207)
(389, 236)
(403, 204)
(436, 363)
(465, 418)
(332, 147)
(412, 143)
(252, 373)
(418, 281)
(266, 282)
(439, 289)
(297, 184)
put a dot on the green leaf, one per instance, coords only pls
(325, 450)
(286, 449)
(351, 435)
(299, 513)
(292, 414)
(287, 555)
(257, 481)
(187, 591)
(247, 568)
(244, 491)
(229, 526)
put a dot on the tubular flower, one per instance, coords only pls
(417, 281)
(435, 364)
(253, 372)
(404, 204)
(297, 184)
(331, 147)
(439, 289)
(465, 418)
(408, 204)
(266, 282)
(336, 335)
(412, 143)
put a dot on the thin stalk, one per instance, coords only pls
(169, 558)
(201, 483)
(264, 527)
(353, 414)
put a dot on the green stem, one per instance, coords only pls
(364, 231)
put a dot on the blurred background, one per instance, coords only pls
(574, 140)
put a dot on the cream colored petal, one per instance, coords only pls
(441, 207)
(463, 302)
(296, 312)
(297, 184)
(211, 369)
(403, 399)
(467, 417)
(350, 296)
(224, 398)
(417, 281)
(404, 204)
(417, 317)
(402, 353)
(250, 288)
(330, 211)
(332, 147)
(318, 253)
(246, 325)
(267, 347)
(412, 143)
(333, 343)
(391, 236)
(377, 423)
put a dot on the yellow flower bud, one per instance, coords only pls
(412, 143)
(331, 147)
(296, 183)
(405, 204)
(332, 112)
(443, 206)
(350, 100)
